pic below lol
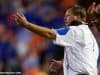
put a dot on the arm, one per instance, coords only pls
(43, 31)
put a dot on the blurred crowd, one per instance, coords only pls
(24, 51)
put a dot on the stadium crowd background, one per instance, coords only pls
(27, 52)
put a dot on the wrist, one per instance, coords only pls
(25, 23)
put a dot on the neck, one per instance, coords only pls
(75, 23)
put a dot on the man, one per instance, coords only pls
(94, 13)
(81, 50)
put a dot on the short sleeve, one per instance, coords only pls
(63, 40)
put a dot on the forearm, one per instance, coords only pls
(43, 31)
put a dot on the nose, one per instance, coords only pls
(65, 19)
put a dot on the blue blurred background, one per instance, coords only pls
(24, 51)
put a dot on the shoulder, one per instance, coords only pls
(79, 30)
(80, 27)
(62, 31)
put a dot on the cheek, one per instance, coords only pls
(69, 19)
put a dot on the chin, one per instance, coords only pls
(66, 24)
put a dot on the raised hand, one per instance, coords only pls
(91, 8)
(20, 19)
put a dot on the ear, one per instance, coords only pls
(76, 17)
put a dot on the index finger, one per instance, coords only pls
(18, 16)
(22, 14)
